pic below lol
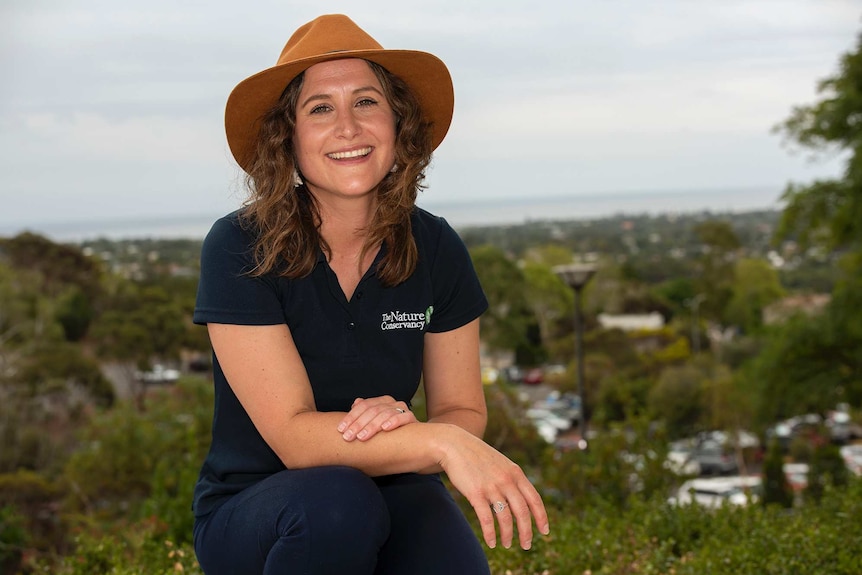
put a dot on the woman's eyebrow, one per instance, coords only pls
(316, 97)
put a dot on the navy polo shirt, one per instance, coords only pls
(368, 346)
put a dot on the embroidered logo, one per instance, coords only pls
(406, 320)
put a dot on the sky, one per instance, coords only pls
(114, 110)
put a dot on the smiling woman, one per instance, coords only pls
(327, 298)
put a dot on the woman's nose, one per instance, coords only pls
(348, 126)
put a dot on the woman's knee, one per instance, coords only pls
(342, 501)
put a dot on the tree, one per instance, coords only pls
(719, 246)
(507, 323)
(776, 489)
(755, 285)
(549, 299)
(677, 398)
(827, 468)
(59, 265)
(813, 363)
(829, 212)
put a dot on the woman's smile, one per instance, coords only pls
(345, 130)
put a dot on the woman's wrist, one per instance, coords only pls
(442, 438)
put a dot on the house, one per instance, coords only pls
(784, 309)
(632, 322)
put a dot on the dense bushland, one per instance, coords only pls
(122, 505)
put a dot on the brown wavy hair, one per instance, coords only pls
(286, 220)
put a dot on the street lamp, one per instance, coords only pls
(694, 305)
(576, 276)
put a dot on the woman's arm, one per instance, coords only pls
(453, 389)
(455, 397)
(452, 380)
(266, 373)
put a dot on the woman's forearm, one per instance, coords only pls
(311, 439)
(470, 420)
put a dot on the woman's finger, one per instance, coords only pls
(376, 416)
(536, 506)
(387, 419)
(359, 407)
(501, 510)
(486, 520)
(521, 513)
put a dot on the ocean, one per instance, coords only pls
(459, 214)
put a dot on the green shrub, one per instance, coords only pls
(13, 539)
(654, 537)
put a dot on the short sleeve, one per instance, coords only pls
(458, 295)
(226, 291)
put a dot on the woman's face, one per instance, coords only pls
(345, 130)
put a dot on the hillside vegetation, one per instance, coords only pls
(759, 327)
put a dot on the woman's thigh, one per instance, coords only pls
(317, 521)
(429, 534)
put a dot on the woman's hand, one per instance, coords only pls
(495, 486)
(368, 416)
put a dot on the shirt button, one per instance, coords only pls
(359, 295)
(351, 326)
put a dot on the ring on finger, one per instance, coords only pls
(499, 506)
(399, 410)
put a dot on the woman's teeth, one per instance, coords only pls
(350, 154)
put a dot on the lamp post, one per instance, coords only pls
(576, 276)
(694, 304)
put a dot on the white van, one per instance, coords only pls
(713, 492)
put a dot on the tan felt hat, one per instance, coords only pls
(333, 37)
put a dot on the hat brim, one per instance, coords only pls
(425, 74)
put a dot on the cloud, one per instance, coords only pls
(144, 138)
(563, 94)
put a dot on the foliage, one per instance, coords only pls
(827, 469)
(13, 539)
(677, 399)
(550, 300)
(829, 212)
(776, 489)
(755, 285)
(58, 266)
(715, 270)
(139, 548)
(143, 323)
(30, 501)
(74, 313)
(61, 366)
(509, 324)
(807, 365)
(650, 536)
(127, 454)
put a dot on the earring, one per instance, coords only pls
(394, 168)
(297, 179)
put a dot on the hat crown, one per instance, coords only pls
(326, 34)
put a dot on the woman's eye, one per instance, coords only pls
(366, 102)
(319, 109)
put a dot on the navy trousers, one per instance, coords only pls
(338, 521)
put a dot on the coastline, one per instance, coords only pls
(474, 213)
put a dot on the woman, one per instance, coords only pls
(327, 297)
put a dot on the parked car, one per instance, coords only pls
(159, 374)
(534, 376)
(713, 492)
(680, 460)
(512, 374)
(490, 375)
(852, 455)
(714, 457)
(797, 476)
(838, 423)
